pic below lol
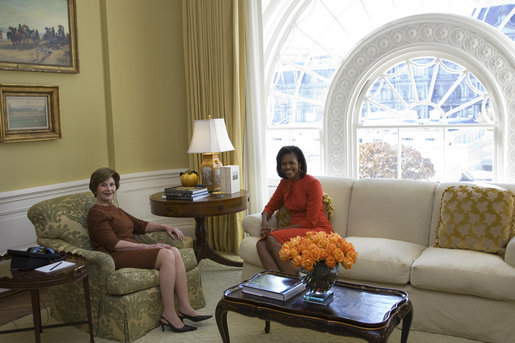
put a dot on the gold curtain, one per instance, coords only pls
(214, 46)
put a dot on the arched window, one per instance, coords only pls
(416, 123)
(307, 42)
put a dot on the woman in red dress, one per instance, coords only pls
(302, 195)
(112, 230)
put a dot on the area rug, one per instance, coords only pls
(215, 279)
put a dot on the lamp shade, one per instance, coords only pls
(210, 136)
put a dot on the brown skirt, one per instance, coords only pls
(144, 258)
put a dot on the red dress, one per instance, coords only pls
(303, 197)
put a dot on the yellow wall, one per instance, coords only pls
(126, 109)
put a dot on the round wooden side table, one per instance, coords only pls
(200, 210)
(33, 280)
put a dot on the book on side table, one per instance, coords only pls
(273, 286)
(186, 193)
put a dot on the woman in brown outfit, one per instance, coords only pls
(112, 230)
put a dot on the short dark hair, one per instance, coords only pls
(100, 175)
(292, 149)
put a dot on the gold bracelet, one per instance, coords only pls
(163, 227)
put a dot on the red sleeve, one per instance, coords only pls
(100, 230)
(314, 204)
(277, 200)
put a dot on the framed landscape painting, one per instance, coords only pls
(38, 35)
(29, 113)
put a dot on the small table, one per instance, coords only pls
(33, 280)
(360, 311)
(200, 210)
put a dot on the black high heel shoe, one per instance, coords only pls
(185, 328)
(198, 318)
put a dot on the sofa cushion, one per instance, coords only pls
(464, 272)
(394, 209)
(340, 189)
(382, 260)
(475, 218)
(248, 251)
(252, 224)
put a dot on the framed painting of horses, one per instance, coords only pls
(39, 35)
(29, 113)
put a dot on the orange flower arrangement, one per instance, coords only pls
(315, 247)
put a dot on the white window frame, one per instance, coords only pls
(486, 52)
(387, 65)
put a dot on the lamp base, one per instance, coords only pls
(210, 169)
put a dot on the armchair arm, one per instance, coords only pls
(509, 255)
(92, 256)
(159, 237)
(252, 224)
(100, 264)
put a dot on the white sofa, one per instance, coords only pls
(392, 225)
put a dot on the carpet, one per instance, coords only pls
(215, 279)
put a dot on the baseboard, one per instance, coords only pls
(17, 232)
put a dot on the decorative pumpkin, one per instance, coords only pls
(189, 178)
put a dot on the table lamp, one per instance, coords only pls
(209, 138)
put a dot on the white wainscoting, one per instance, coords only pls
(17, 232)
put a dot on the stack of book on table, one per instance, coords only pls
(273, 286)
(186, 193)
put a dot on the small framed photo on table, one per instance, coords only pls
(29, 113)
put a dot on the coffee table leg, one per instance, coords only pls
(36, 314)
(221, 321)
(406, 324)
(267, 326)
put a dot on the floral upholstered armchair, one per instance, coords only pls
(125, 303)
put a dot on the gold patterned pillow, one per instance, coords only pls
(475, 218)
(283, 214)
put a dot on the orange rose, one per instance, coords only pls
(297, 261)
(330, 247)
(346, 246)
(284, 253)
(334, 238)
(315, 237)
(323, 242)
(353, 254)
(304, 244)
(347, 263)
(323, 255)
(314, 252)
(338, 255)
(308, 264)
(330, 262)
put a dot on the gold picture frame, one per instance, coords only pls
(39, 36)
(29, 113)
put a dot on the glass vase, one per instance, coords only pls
(319, 283)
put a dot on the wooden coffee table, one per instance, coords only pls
(360, 311)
